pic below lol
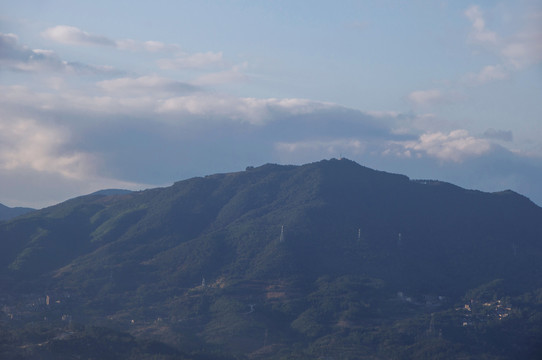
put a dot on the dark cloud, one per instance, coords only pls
(17, 57)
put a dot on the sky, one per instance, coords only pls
(140, 94)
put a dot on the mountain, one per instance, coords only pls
(329, 259)
(111, 192)
(7, 213)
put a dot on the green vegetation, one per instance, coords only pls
(325, 260)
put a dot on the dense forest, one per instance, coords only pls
(329, 260)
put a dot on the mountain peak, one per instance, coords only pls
(108, 192)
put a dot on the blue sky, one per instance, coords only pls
(135, 94)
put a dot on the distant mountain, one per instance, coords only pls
(7, 213)
(329, 259)
(111, 192)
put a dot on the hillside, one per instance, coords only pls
(325, 259)
(7, 213)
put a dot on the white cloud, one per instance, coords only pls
(479, 32)
(249, 110)
(235, 74)
(157, 99)
(524, 49)
(297, 106)
(487, 74)
(517, 51)
(426, 97)
(72, 103)
(71, 35)
(192, 61)
(149, 46)
(24, 143)
(40, 164)
(454, 146)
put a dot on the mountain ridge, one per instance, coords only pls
(216, 201)
(308, 246)
(7, 213)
